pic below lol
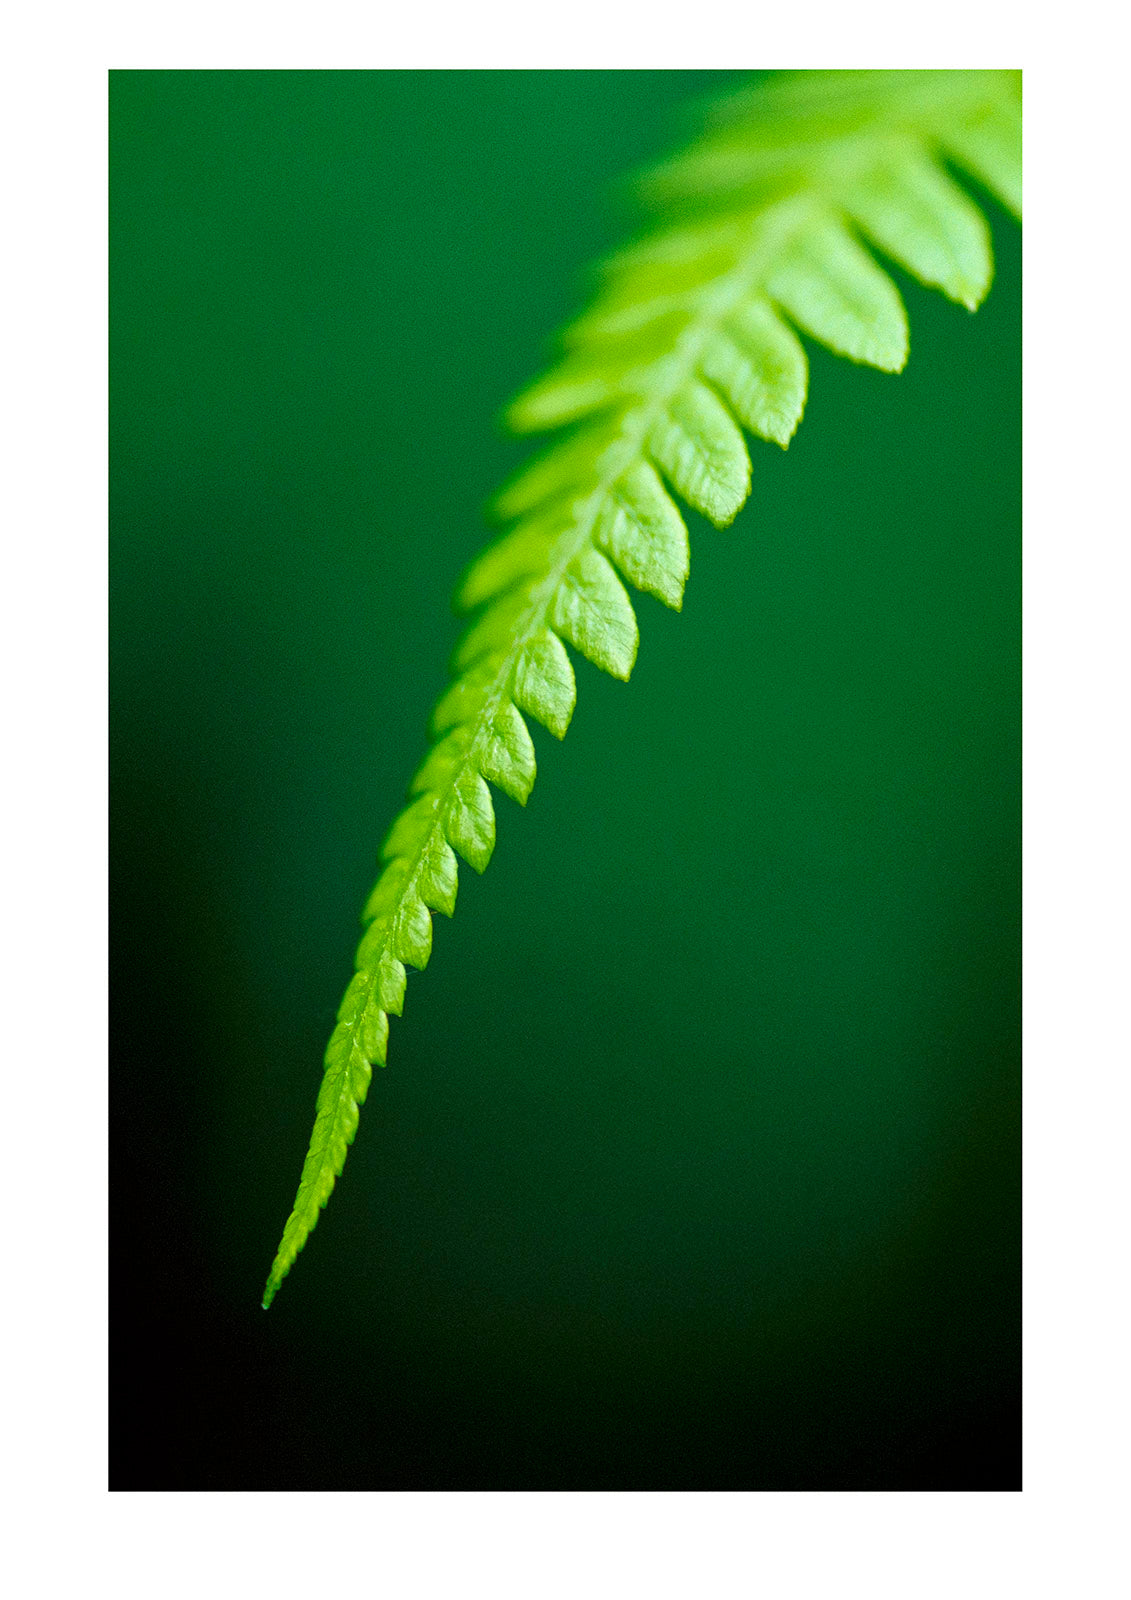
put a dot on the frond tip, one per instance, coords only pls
(766, 230)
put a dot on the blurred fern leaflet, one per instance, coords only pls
(762, 232)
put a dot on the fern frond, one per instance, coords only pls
(765, 229)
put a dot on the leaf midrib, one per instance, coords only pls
(617, 458)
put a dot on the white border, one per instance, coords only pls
(1060, 1535)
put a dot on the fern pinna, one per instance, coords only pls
(763, 230)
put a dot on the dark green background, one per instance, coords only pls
(696, 1162)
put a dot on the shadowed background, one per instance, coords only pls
(696, 1163)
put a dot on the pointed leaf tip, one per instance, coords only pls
(640, 526)
(908, 206)
(832, 288)
(697, 444)
(759, 366)
(592, 611)
(544, 684)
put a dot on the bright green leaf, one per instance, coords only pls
(699, 447)
(544, 684)
(524, 552)
(592, 611)
(471, 821)
(679, 348)
(988, 145)
(914, 212)
(508, 755)
(640, 527)
(759, 367)
(833, 289)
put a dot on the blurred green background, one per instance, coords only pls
(696, 1163)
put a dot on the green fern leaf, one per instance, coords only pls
(764, 228)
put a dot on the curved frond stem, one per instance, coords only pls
(692, 338)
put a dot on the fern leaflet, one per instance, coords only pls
(765, 223)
